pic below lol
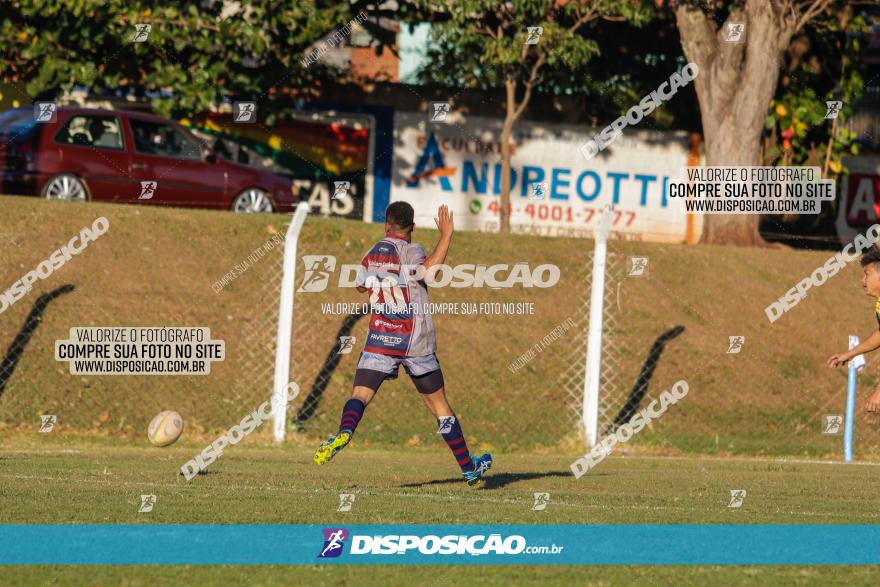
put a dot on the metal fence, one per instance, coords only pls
(502, 397)
(514, 377)
(127, 280)
(502, 351)
(756, 387)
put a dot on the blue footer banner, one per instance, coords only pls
(612, 544)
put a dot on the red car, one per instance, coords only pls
(118, 156)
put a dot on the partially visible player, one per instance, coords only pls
(870, 262)
(392, 271)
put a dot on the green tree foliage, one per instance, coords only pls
(823, 64)
(197, 53)
(740, 79)
(483, 44)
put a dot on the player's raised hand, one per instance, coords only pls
(444, 221)
(837, 360)
(873, 404)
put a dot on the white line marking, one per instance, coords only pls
(747, 459)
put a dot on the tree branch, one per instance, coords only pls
(533, 81)
(697, 35)
(813, 8)
(585, 18)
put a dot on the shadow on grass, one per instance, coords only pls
(16, 349)
(201, 473)
(496, 481)
(322, 379)
(637, 394)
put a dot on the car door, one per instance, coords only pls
(169, 168)
(91, 145)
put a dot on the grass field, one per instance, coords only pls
(437, 576)
(52, 480)
(87, 483)
(156, 266)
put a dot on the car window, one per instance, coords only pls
(101, 132)
(16, 122)
(155, 138)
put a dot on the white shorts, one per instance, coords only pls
(415, 366)
(374, 368)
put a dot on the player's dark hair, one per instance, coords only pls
(870, 256)
(401, 215)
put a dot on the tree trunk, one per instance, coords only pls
(734, 87)
(506, 131)
(730, 144)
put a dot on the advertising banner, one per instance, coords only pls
(555, 190)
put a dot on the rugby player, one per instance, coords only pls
(401, 334)
(870, 263)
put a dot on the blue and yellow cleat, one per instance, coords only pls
(333, 445)
(481, 465)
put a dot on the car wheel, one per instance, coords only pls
(252, 201)
(65, 186)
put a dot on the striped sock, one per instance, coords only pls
(352, 412)
(454, 438)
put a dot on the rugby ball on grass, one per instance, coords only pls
(165, 428)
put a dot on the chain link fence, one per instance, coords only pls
(697, 313)
(124, 280)
(496, 348)
(513, 357)
(496, 345)
(611, 376)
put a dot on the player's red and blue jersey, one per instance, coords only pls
(395, 328)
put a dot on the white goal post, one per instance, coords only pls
(593, 360)
(285, 324)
